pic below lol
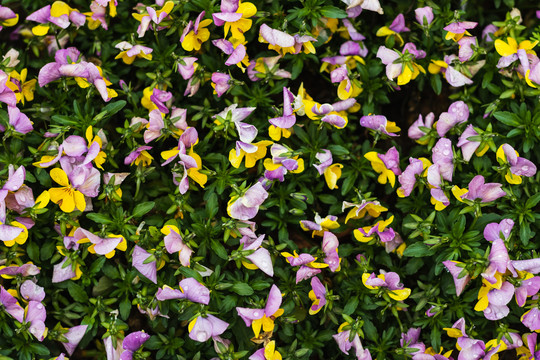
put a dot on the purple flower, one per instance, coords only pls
(101, 246)
(408, 177)
(258, 318)
(518, 165)
(190, 289)
(342, 339)
(528, 287)
(28, 269)
(306, 272)
(11, 305)
(29, 290)
(317, 295)
(149, 270)
(220, 83)
(260, 257)
(236, 54)
(19, 121)
(398, 25)
(443, 157)
(458, 113)
(159, 98)
(380, 124)
(531, 319)
(174, 243)
(494, 231)
(468, 147)
(415, 132)
(187, 66)
(74, 337)
(459, 281)
(204, 328)
(6, 94)
(424, 15)
(330, 245)
(465, 47)
(132, 343)
(478, 189)
(247, 206)
(457, 30)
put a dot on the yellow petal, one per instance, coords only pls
(400, 295)
(236, 160)
(59, 176)
(332, 174)
(505, 49)
(60, 8)
(405, 76)
(40, 30)
(385, 31)
(42, 200)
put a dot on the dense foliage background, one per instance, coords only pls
(296, 127)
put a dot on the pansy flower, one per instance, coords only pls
(236, 51)
(259, 258)
(332, 172)
(461, 277)
(317, 294)
(453, 76)
(59, 14)
(203, 328)
(511, 51)
(478, 189)
(320, 225)
(458, 113)
(187, 66)
(235, 17)
(190, 289)
(457, 30)
(387, 165)
(281, 163)
(381, 229)
(401, 65)
(132, 343)
(174, 243)
(263, 318)
(246, 207)
(221, 82)
(145, 263)
(420, 128)
(152, 16)
(380, 124)
(469, 146)
(195, 34)
(516, 165)
(358, 211)
(281, 126)
(345, 341)
(101, 246)
(397, 27)
(266, 67)
(130, 52)
(424, 15)
(24, 90)
(139, 156)
(7, 17)
(390, 282)
(330, 245)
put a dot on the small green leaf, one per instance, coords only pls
(99, 218)
(242, 289)
(143, 208)
(77, 292)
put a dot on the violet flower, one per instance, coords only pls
(416, 133)
(518, 166)
(132, 343)
(149, 270)
(469, 147)
(237, 55)
(187, 66)
(19, 121)
(74, 337)
(424, 15)
(24, 270)
(190, 289)
(204, 328)
(263, 318)
(221, 83)
(458, 113)
(317, 295)
(155, 125)
(342, 339)
(408, 177)
(459, 281)
(260, 258)
(6, 94)
(247, 206)
(330, 245)
(478, 189)
(380, 124)
(494, 231)
(159, 98)
(174, 243)
(531, 319)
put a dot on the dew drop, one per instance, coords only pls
(256, 313)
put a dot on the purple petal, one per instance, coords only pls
(195, 291)
(74, 337)
(148, 270)
(135, 340)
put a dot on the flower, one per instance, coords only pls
(235, 16)
(470, 147)
(387, 165)
(389, 281)
(494, 231)
(332, 172)
(59, 14)
(343, 339)
(221, 83)
(358, 211)
(456, 271)
(408, 177)
(457, 30)
(246, 207)
(139, 156)
(380, 124)
(187, 66)
(195, 34)
(516, 165)
(131, 52)
(424, 15)
(478, 189)
(236, 51)
(74, 336)
(174, 243)
(24, 90)
(397, 27)
(330, 245)
(280, 126)
(321, 225)
(366, 233)
(263, 318)
(458, 113)
(419, 128)
(405, 69)
(260, 257)
(144, 262)
(67, 196)
(7, 17)
(101, 246)
(317, 295)
(151, 15)
(132, 343)
(203, 328)
(190, 289)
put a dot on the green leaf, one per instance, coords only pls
(32, 250)
(143, 208)
(77, 292)
(418, 249)
(436, 83)
(507, 118)
(533, 200)
(333, 12)
(125, 308)
(219, 249)
(99, 218)
(242, 289)
(114, 107)
(64, 120)
(351, 305)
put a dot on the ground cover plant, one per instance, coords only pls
(307, 179)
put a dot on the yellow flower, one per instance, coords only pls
(270, 352)
(101, 156)
(24, 90)
(251, 158)
(66, 196)
(276, 133)
(355, 89)
(511, 46)
(196, 37)
(240, 26)
(266, 323)
(194, 173)
(332, 175)
(386, 175)
(483, 301)
(21, 238)
(409, 72)
(10, 22)
(386, 31)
